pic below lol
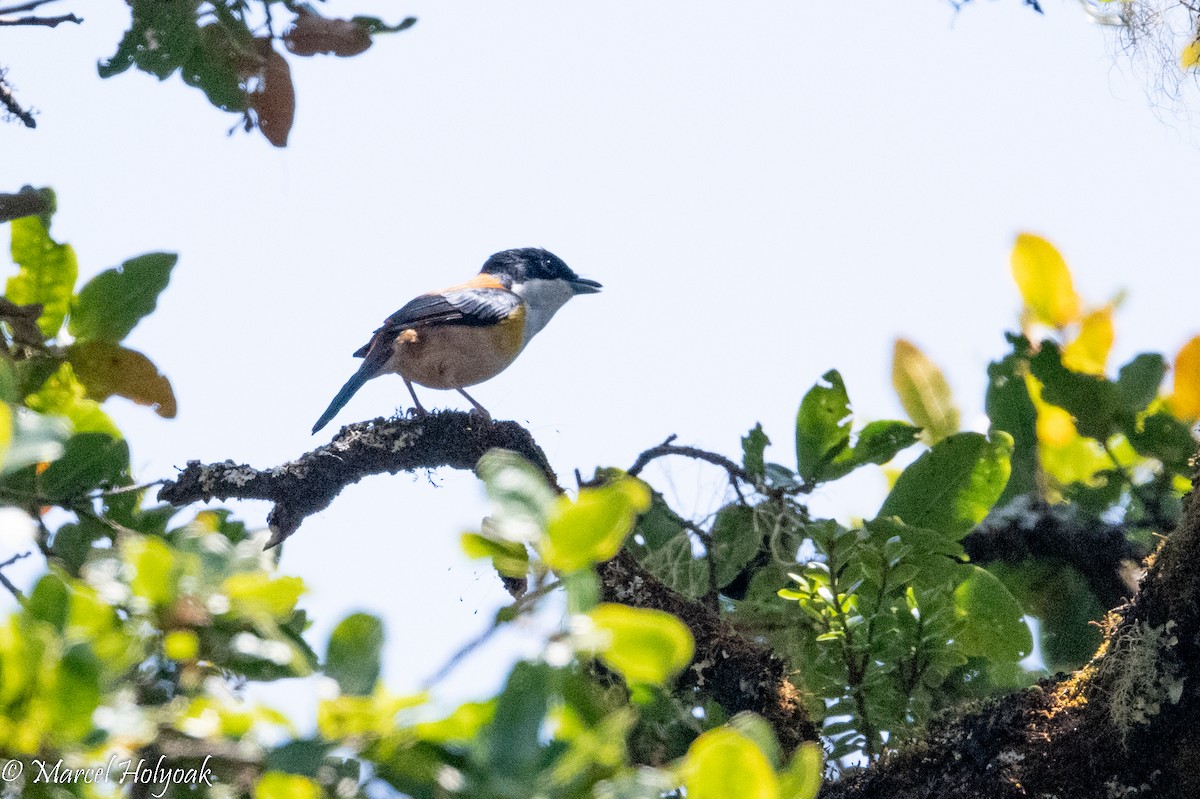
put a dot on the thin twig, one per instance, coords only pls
(25, 6)
(7, 583)
(45, 22)
(518, 607)
(668, 448)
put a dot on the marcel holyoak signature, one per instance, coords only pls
(116, 770)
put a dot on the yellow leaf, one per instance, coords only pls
(278, 785)
(1088, 351)
(1190, 57)
(6, 431)
(1185, 399)
(1044, 281)
(923, 391)
(723, 763)
(644, 645)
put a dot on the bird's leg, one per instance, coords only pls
(482, 410)
(420, 408)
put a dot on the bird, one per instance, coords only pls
(469, 333)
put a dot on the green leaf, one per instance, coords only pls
(160, 38)
(923, 391)
(63, 395)
(212, 65)
(89, 461)
(114, 301)
(75, 694)
(735, 542)
(951, 487)
(376, 25)
(644, 646)
(523, 501)
(1011, 409)
(583, 590)
(106, 368)
(754, 444)
(1093, 401)
(593, 527)
(1160, 435)
(47, 273)
(665, 550)
(514, 747)
(352, 656)
(510, 558)
(154, 569)
(722, 763)
(802, 777)
(878, 443)
(755, 727)
(1138, 381)
(822, 426)
(303, 757)
(35, 439)
(50, 601)
(992, 619)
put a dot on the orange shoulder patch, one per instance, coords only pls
(480, 281)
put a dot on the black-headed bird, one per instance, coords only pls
(469, 333)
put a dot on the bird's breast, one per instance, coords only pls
(456, 356)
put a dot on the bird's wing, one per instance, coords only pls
(475, 307)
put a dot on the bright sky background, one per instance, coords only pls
(766, 190)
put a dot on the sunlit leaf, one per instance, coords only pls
(1185, 399)
(1044, 281)
(951, 487)
(259, 593)
(47, 272)
(722, 763)
(822, 425)
(802, 777)
(278, 785)
(1190, 57)
(923, 391)
(644, 646)
(592, 528)
(1088, 351)
(509, 557)
(181, 645)
(64, 395)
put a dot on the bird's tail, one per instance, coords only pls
(364, 373)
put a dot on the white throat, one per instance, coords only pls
(542, 299)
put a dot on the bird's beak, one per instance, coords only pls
(581, 285)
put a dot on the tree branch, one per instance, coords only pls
(13, 107)
(45, 22)
(1100, 552)
(26, 202)
(7, 583)
(25, 6)
(310, 483)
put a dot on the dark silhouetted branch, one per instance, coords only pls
(45, 22)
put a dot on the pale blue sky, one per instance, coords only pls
(766, 191)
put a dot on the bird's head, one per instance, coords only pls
(541, 279)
